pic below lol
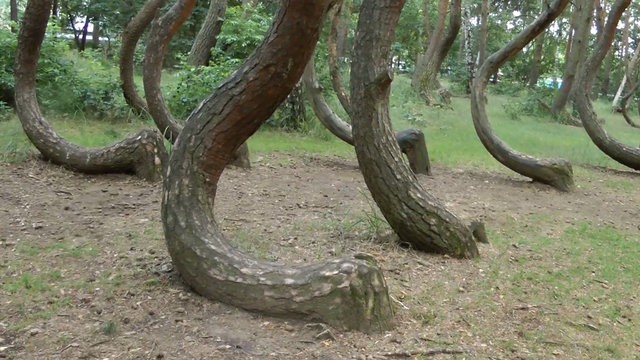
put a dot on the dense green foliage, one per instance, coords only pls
(242, 32)
(89, 80)
(68, 82)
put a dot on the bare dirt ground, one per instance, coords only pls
(85, 273)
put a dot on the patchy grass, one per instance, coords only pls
(14, 144)
(577, 289)
(450, 135)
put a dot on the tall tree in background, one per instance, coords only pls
(615, 106)
(13, 11)
(13, 15)
(349, 292)
(483, 31)
(581, 27)
(555, 172)
(428, 64)
(605, 72)
(536, 59)
(467, 50)
(206, 39)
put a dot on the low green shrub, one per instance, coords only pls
(94, 89)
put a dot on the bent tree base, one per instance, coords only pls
(143, 154)
(347, 293)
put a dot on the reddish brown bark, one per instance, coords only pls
(162, 30)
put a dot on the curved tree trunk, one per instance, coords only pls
(322, 110)
(411, 141)
(417, 218)
(626, 155)
(555, 172)
(334, 66)
(348, 292)
(130, 36)
(143, 154)
(162, 30)
(160, 34)
(206, 39)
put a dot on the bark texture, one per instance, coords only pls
(130, 37)
(143, 153)
(555, 172)
(411, 141)
(347, 293)
(416, 216)
(206, 39)
(162, 30)
(626, 155)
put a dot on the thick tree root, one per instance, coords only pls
(346, 293)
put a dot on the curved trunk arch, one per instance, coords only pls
(555, 172)
(130, 37)
(348, 292)
(626, 155)
(321, 108)
(143, 153)
(160, 34)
